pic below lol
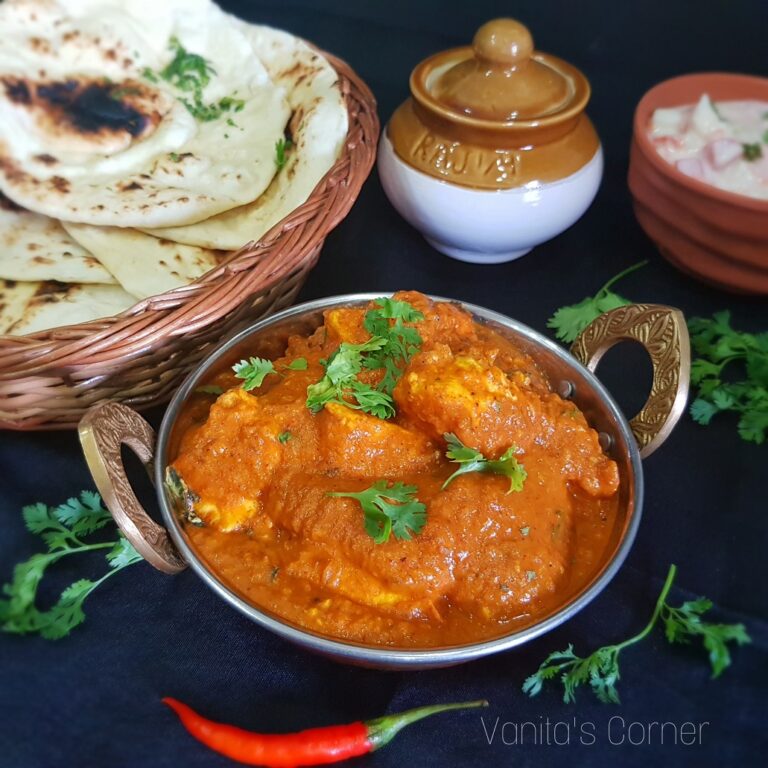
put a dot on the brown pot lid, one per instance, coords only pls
(500, 79)
(495, 115)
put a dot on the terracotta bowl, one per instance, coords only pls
(718, 236)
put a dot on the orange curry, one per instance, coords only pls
(259, 466)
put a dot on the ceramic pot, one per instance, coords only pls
(493, 153)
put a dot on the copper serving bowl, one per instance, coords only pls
(661, 330)
(718, 236)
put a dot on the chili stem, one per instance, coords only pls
(383, 729)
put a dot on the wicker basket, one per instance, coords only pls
(49, 379)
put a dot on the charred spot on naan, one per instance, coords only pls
(10, 167)
(113, 114)
(17, 91)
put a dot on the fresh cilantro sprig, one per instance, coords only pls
(64, 530)
(471, 460)
(720, 347)
(389, 509)
(568, 322)
(254, 370)
(402, 342)
(371, 400)
(191, 73)
(390, 348)
(281, 148)
(601, 669)
(340, 382)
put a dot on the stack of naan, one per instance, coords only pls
(142, 140)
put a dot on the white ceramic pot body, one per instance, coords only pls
(482, 226)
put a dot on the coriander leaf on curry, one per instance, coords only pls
(253, 372)
(415, 481)
(471, 460)
(383, 517)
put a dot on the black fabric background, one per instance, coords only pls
(93, 699)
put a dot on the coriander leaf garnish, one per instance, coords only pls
(722, 350)
(281, 148)
(370, 400)
(404, 518)
(340, 382)
(390, 346)
(471, 460)
(63, 529)
(256, 369)
(601, 668)
(253, 372)
(187, 71)
(284, 437)
(752, 152)
(390, 309)
(401, 342)
(190, 73)
(568, 322)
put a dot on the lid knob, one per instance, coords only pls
(503, 41)
(502, 78)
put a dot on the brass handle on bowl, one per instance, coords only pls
(103, 430)
(664, 334)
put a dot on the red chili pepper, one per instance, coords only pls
(316, 746)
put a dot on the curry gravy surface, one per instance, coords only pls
(486, 562)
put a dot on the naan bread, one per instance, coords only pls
(143, 265)
(35, 247)
(86, 135)
(318, 127)
(49, 305)
(14, 297)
